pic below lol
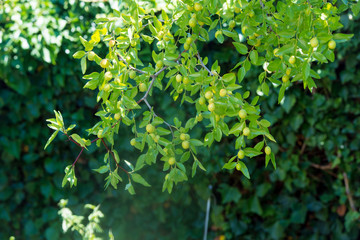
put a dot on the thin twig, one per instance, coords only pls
(112, 154)
(348, 192)
(203, 65)
(322, 167)
(82, 149)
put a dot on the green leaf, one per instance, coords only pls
(51, 138)
(139, 179)
(241, 48)
(102, 169)
(229, 77)
(79, 54)
(254, 57)
(244, 169)
(83, 65)
(321, 58)
(355, 8)
(265, 123)
(130, 188)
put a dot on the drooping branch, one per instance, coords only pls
(112, 154)
(203, 65)
(348, 192)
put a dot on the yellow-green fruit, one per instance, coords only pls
(200, 117)
(276, 50)
(132, 74)
(292, 60)
(288, 71)
(217, 118)
(142, 87)
(99, 134)
(133, 142)
(222, 93)
(246, 131)
(183, 136)
(106, 87)
(238, 166)
(267, 150)
(108, 76)
(104, 63)
(128, 59)
(188, 40)
(117, 116)
(211, 100)
(218, 32)
(237, 10)
(178, 78)
(242, 114)
(186, 46)
(171, 161)
(285, 78)
(133, 42)
(232, 24)
(187, 136)
(331, 44)
(159, 64)
(111, 43)
(314, 42)
(211, 107)
(198, 7)
(91, 56)
(192, 22)
(156, 139)
(190, 8)
(185, 144)
(150, 128)
(208, 95)
(241, 154)
(251, 14)
(202, 101)
(186, 80)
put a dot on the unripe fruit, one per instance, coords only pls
(133, 42)
(237, 10)
(267, 150)
(190, 8)
(186, 46)
(251, 14)
(156, 139)
(211, 100)
(232, 24)
(331, 44)
(159, 64)
(142, 87)
(292, 60)
(183, 136)
(128, 59)
(288, 71)
(133, 142)
(186, 80)
(104, 63)
(211, 107)
(187, 136)
(150, 128)
(192, 22)
(218, 32)
(202, 101)
(108, 76)
(106, 87)
(201, 23)
(188, 40)
(178, 78)
(217, 118)
(222, 93)
(132, 74)
(314, 42)
(198, 7)
(99, 134)
(200, 117)
(111, 43)
(246, 131)
(275, 52)
(238, 166)
(91, 56)
(208, 95)
(285, 78)
(241, 154)
(242, 114)
(117, 116)
(171, 161)
(185, 144)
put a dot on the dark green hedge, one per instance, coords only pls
(297, 201)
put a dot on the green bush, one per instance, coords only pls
(298, 200)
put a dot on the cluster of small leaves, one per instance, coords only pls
(285, 38)
(74, 222)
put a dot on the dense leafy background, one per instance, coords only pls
(297, 200)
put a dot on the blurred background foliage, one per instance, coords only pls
(305, 198)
